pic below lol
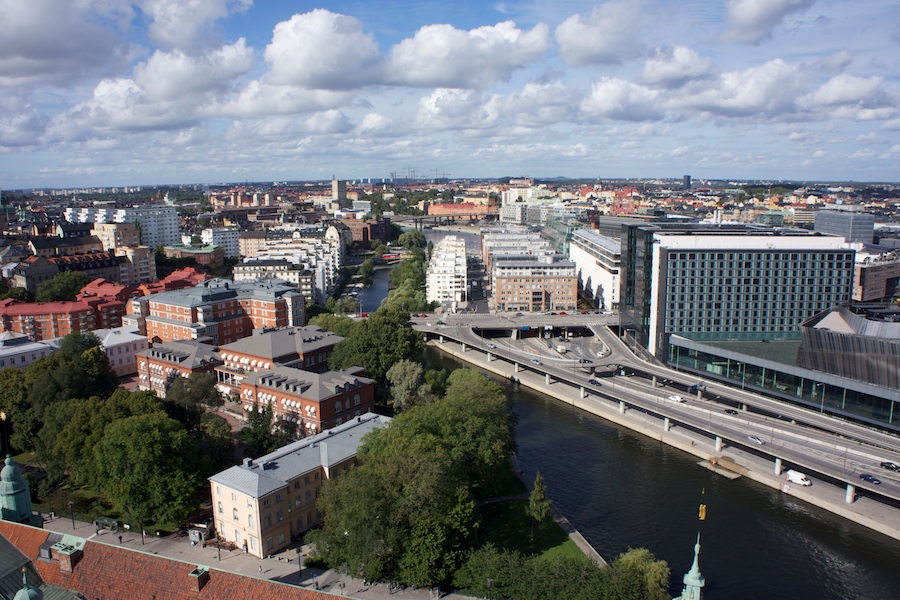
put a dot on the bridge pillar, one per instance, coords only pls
(489, 356)
(719, 444)
(440, 339)
(621, 407)
(778, 466)
(515, 367)
(547, 378)
(654, 381)
(744, 407)
(667, 424)
(581, 392)
(851, 494)
(463, 349)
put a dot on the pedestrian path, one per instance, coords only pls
(282, 567)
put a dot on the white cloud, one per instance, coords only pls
(843, 89)
(614, 98)
(752, 21)
(673, 67)
(447, 108)
(182, 24)
(605, 36)
(167, 76)
(541, 104)
(443, 56)
(21, 129)
(323, 50)
(767, 90)
(259, 99)
(51, 42)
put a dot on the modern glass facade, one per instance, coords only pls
(804, 387)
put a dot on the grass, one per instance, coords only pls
(508, 527)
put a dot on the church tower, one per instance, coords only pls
(693, 580)
(15, 496)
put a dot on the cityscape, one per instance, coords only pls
(525, 300)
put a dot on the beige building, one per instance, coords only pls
(545, 284)
(116, 235)
(261, 504)
(139, 265)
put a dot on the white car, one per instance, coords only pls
(755, 439)
(535, 361)
(677, 399)
(490, 345)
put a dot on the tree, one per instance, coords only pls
(377, 343)
(366, 270)
(147, 465)
(189, 397)
(342, 326)
(637, 575)
(408, 386)
(216, 444)
(17, 293)
(412, 239)
(538, 503)
(260, 435)
(63, 286)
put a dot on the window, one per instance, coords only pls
(221, 510)
(234, 514)
(253, 543)
(338, 407)
(250, 521)
(281, 537)
(268, 521)
(269, 543)
(280, 515)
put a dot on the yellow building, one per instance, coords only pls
(263, 503)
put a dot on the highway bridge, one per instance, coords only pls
(599, 364)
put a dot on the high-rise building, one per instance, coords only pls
(446, 276)
(157, 224)
(687, 182)
(852, 226)
(598, 261)
(711, 283)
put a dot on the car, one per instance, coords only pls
(730, 411)
(755, 439)
(490, 345)
(890, 466)
(870, 478)
(562, 313)
(535, 361)
(676, 399)
(593, 382)
(553, 314)
(585, 361)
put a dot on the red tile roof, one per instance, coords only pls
(108, 571)
(17, 308)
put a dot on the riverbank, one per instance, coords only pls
(864, 511)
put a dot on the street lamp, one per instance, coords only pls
(822, 407)
(72, 513)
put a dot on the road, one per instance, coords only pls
(818, 444)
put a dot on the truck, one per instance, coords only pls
(798, 477)
(561, 349)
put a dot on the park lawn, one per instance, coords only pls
(508, 527)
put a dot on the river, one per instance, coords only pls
(621, 490)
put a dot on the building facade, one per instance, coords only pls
(226, 237)
(157, 367)
(46, 320)
(852, 226)
(545, 284)
(598, 260)
(17, 350)
(446, 278)
(157, 224)
(261, 504)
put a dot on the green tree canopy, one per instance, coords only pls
(377, 343)
(63, 286)
(412, 239)
(342, 326)
(366, 270)
(189, 397)
(538, 503)
(147, 465)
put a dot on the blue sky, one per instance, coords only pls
(110, 92)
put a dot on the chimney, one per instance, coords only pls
(68, 556)
(199, 578)
(248, 462)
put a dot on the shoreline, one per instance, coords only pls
(863, 511)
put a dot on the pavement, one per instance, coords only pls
(282, 567)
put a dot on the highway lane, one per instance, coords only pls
(810, 449)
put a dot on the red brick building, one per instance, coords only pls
(364, 232)
(110, 300)
(464, 209)
(46, 320)
(158, 367)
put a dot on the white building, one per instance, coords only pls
(158, 224)
(226, 237)
(17, 350)
(121, 345)
(598, 261)
(446, 278)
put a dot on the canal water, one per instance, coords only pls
(621, 490)
(370, 297)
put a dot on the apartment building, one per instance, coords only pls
(122, 345)
(304, 279)
(446, 277)
(157, 224)
(308, 402)
(46, 320)
(137, 264)
(222, 310)
(547, 283)
(157, 367)
(18, 350)
(228, 238)
(264, 502)
(208, 256)
(598, 261)
(116, 235)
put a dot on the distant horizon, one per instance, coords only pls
(402, 181)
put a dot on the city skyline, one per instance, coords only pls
(151, 92)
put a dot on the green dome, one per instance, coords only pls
(27, 592)
(11, 480)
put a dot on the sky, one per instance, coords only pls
(112, 93)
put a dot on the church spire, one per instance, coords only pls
(693, 579)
